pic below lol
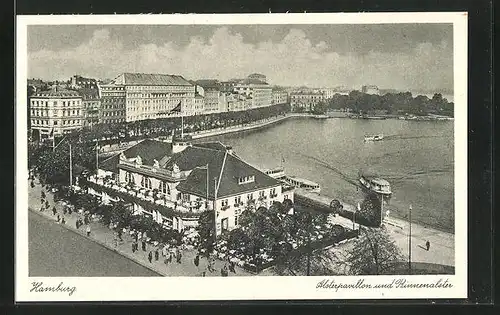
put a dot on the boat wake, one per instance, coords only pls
(408, 137)
(342, 175)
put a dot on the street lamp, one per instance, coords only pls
(409, 242)
(354, 216)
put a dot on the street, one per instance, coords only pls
(54, 251)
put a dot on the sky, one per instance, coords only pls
(415, 57)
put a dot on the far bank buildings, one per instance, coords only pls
(139, 96)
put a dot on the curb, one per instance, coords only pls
(103, 244)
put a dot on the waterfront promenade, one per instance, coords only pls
(106, 237)
(109, 150)
(441, 251)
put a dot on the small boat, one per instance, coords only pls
(297, 182)
(302, 183)
(374, 137)
(320, 116)
(277, 173)
(376, 185)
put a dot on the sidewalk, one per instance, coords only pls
(441, 251)
(106, 237)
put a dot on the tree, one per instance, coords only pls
(121, 215)
(371, 208)
(206, 231)
(374, 253)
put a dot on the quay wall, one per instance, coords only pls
(442, 243)
(109, 150)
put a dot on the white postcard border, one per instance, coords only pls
(241, 288)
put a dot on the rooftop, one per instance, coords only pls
(226, 167)
(252, 81)
(150, 79)
(57, 93)
(209, 83)
(88, 94)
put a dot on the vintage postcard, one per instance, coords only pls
(241, 157)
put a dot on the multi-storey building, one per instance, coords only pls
(175, 182)
(258, 76)
(260, 92)
(370, 89)
(140, 96)
(113, 100)
(210, 90)
(199, 104)
(279, 97)
(227, 86)
(79, 82)
(58, 111)
(91, 104)
(305, 100)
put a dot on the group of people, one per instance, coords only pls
(229, 266)
(45, 205)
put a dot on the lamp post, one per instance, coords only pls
(409, 242)
(354, 216)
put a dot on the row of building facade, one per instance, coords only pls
(138, 96)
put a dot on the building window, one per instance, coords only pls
(224, 202)
(237, 200)
(129, 178)
(146, 182)
(163, 187)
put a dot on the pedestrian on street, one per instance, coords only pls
(165, 261)
(197, 260)
(120, 232)
(54, 210)
(150, 257)
(203, 274)
(42, 194)
(58, 218)
(179, 257)
(164, 251)
(231, 267)
(63, 221)
(77, 224)
(133, 247)
(144, 245)
(88, 230)
(65, 210)
(157, 255)
(428, 245)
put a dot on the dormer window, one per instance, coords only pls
(246, 179)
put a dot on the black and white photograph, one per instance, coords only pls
(266, 153)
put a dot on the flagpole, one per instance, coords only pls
(215, 210)
(70, 169)
(97, 158)
(208, 183)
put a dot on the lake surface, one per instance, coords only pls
(415, 157)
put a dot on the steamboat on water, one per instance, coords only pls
(297, 182)
(376, 185)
